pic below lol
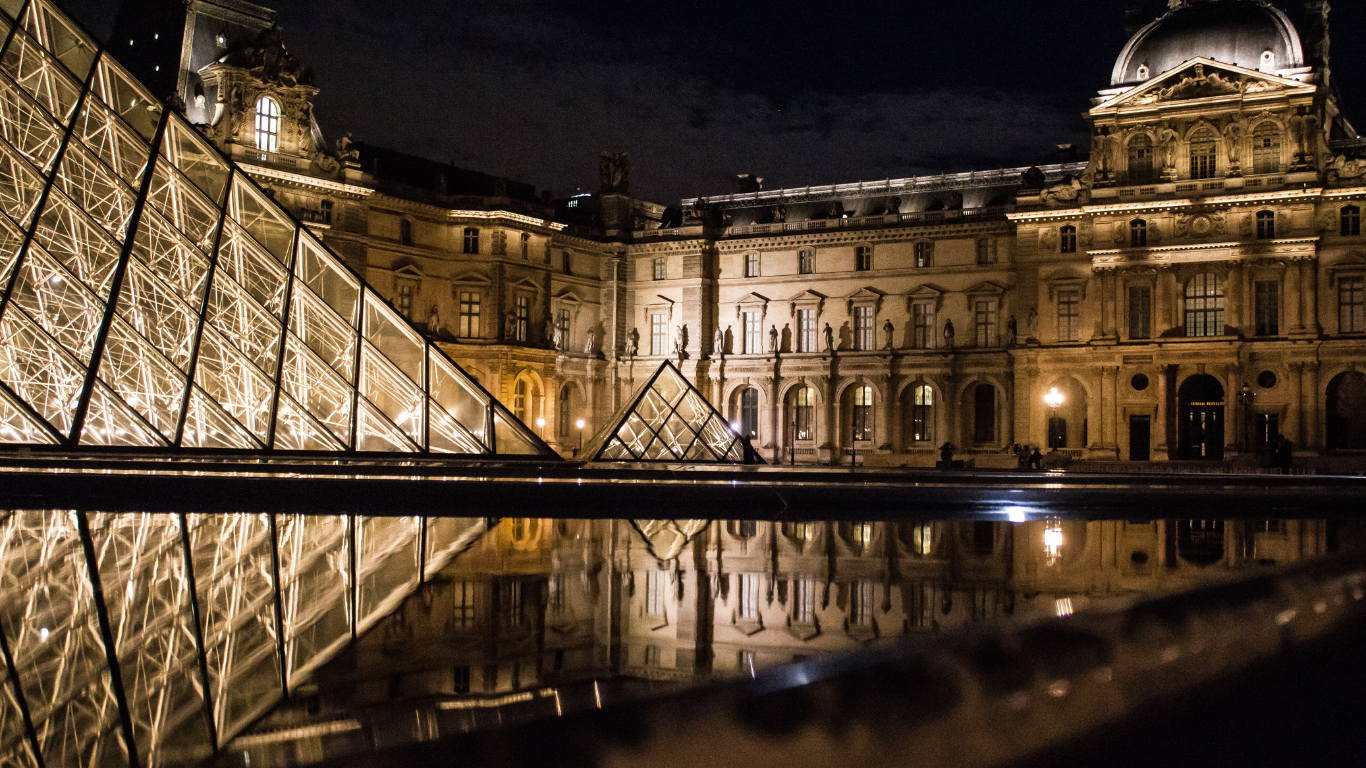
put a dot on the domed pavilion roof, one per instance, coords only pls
(1246, 33)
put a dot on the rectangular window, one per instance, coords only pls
(661, 268)
(557, 596)
(1266, 225)
(923, 254)
(512, 606)
(523, 318)
(803, 600)
(526, 246)
(862, 414)
(652, 656)
(564, 327)
(1267, 305)
(863, 329)
(985, 312)
(1069, 315)
(749, 596)
(471, 240)
(659, 334)
(863, 258)
(985, 253)
(469, 314)
(861, 604)
(654, 593)
(806, 262)
(754, 342)
(405, 300)
(751, 265)
(922, 319)
(465, 596)
(1140, 312)
(803, 421)
(1068, 239)
(1350, 221)
(1351, 309)
(806, 330)
(568, 264)
(1204, 163)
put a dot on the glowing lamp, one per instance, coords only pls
(1054, 399)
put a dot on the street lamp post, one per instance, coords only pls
(540, 426)
(579, 424)
(1247, 396)
(1054, 400)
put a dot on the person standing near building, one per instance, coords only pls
(1285, 454)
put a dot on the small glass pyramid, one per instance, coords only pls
(151, 295)
(666, 419)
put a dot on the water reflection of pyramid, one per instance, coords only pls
(667, 419)
(153, 296)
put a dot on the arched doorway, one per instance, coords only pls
(1347, 412)
(1200, 403)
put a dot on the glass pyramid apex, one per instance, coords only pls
(151, 295)
(667, 420)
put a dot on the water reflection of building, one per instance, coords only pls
(538, 606)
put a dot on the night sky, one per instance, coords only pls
(796, 92)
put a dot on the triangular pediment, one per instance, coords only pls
(568, 296)
(471, 278)
(409, 270)
(866, 292)
(752, 298)
(527, 284)
(986, 287)
(667, 420)
(1202, 78)
(807, 295)
(927, 291)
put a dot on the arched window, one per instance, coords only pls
(922, 414)
(1204, 159)
(1266, 225)
(1141, 159)
(1138, 233)
(405, 232)
(519, 400)
(862, 420)
(1204, 306)
(1351, 220)
(984, 413)
(267, 124)
(803, 414)
(749, 413)
(1266, 149)
(1067, 240)
(563, 420)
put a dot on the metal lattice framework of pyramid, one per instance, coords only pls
(154, 296)
(667, 419)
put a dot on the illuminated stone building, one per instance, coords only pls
(1212, 240)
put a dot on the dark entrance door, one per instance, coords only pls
(1140, 438)
(1201, 401)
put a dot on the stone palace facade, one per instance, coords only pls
(1192, 291)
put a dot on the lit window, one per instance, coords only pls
(803, 414)
(1266, 225)
(472, 240)
(922, 414)
(1350, 221)
(751, 265)
(863, 258)
(469, 315)
(659, 334)
(806, 330)
(754, 343)
(660, 267)
(464, 601)
(803, 600)
(523, 318)
(1204, 306)
(1204, 159)
(922, 320)
(922, 539)
(749, 596)
(862, 414)
(1067, 240)
(861, 604)
(267, 124)
(863, 329)
(806, 262)
(405, 300)
(924, 254)
(519, 400)
(654, 593)
(1351, 309)
(1069, 315)
(1138, 233)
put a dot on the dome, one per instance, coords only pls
(1246, 33)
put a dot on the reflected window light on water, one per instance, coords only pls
(1064, 606)
(1052, 541)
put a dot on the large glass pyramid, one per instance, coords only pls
(154, 296)
(667, 419)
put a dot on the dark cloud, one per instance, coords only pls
(797, 92)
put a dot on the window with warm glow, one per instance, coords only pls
(267, 124)
(1204, 306)
(922, 414)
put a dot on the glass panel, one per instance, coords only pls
(60, 305)
(146, 592)
(670, 386)
(153, 310)
(324, 332)
(329, 280)
(109, 422)
(20, 186)
(447, 436)
(232, 564)
(393, 394)
(253, 269)
(108, 138)
(37, 370)
(376, 433)
(16, 426)
(195, 157)
(171, 257)
(127, 97)
(295, 430)
(318, 389)
(262, 218)
(61, 37)
(82, 247)
(48, 610)
(387, 562)
(143, 378)
(453, 391)
(98, 192)
(237, 385)
(511, 439)
(184, 206)
(11, 7)
(207, 426)
(394, 337)
(243, 321)
(36, 72)
(27, 127)
(11, 240)
(315, 581)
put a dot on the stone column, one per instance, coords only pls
(882, 414)
(776, 436)
(1120, 303)
(1163, 440)
(1309, 291)
(1294, 321)
(1166, 304)
(1233, 298)
(1313, 420)
(827, 431)
(1233, 409)
(1295, 428)
(1109, 393)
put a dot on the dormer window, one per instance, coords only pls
(1268, 61)
(267, 124)
(1143, 72)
